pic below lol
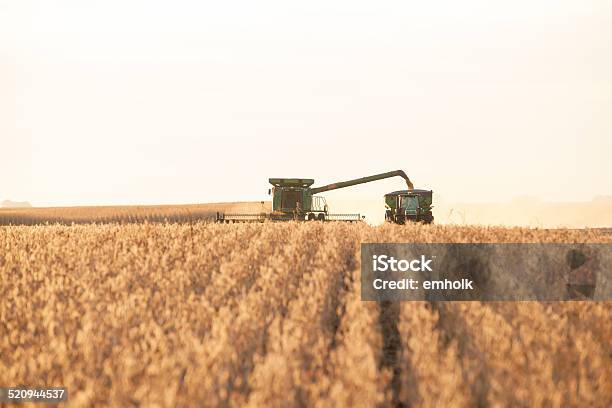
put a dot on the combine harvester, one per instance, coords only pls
(295, 199)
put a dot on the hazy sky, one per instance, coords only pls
(105, 102)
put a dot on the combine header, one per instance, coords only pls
(295, 199)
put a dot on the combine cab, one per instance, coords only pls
(409, 205)
(294, 199)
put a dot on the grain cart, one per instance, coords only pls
(295, 199)
(409, 205)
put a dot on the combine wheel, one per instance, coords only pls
(321, 217)
(311, 216)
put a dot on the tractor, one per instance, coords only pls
(409, 205)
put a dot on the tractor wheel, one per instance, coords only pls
(311, 216)
(321, 217)
(388, 216)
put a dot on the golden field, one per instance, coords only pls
(270, 315)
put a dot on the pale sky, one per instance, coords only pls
(128, 102)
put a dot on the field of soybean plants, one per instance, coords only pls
(204, 314)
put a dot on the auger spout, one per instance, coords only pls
(349, 183)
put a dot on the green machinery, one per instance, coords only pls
(409, 205)
(295, 199)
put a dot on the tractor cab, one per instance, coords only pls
(409, 205)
